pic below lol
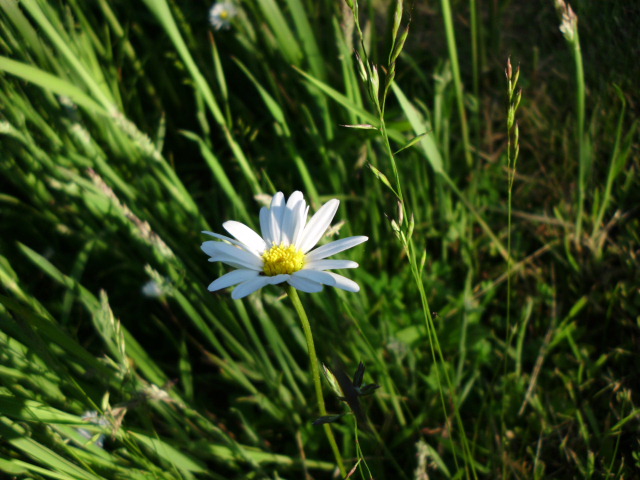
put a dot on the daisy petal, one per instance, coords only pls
(265, 225)
(303, 284)
(299, 231)
(316, 276)
(248, 287)
(318, 225)
(292, 220)
(276, 212)
(255, 284)
(223, 252)
(330, 264)
(246, 236)
(276, 279)
(232, 262)
(335, 247)
(223, 237)
(344, 283)
(232, 278)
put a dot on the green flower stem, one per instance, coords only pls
(315, 373)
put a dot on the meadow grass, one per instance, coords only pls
(499, 309)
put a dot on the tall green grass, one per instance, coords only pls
(498, 308)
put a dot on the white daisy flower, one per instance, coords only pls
(220, 15)
(284, 251)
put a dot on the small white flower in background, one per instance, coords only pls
(152, 289)
(157, 286)
(284, 251)
(96, 419)
(221, 14)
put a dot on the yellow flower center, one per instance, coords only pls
(280, 259)
(224, 14)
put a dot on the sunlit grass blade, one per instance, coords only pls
(51, 82)
(285, 37)
(457, 79)
(429, 147)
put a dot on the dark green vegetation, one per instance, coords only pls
(126, 128)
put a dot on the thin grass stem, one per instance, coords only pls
(428, 319)
(457, 81)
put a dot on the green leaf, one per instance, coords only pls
(418, 124)
(327, 419)
(412, 142)
(382, 177)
